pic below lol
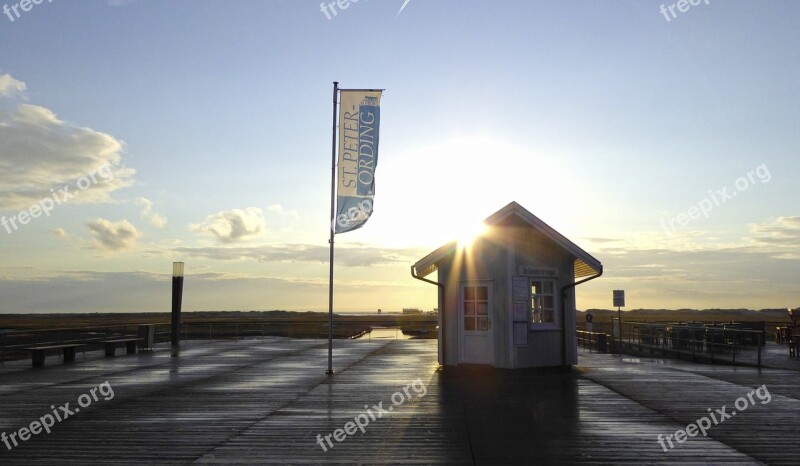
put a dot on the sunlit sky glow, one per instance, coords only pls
(602, 118)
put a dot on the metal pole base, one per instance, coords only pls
(330, 371)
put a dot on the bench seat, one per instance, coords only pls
(38, 352)
(111, 345)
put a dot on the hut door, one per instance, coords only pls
(475, 323)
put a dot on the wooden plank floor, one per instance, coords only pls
(768, 429)
(773, 355)
(265, 402)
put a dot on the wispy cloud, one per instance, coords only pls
(359, 255)
(10, 86)
(279, 209)
(405, 3)
(136, 291)
(40, 153)
(149, 214)
(782, 233)
(604, 240)
(113, 236)
(233, 226)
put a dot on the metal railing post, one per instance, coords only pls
(760, 341)
(712, 344)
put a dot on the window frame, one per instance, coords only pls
(475, 316)
(556, 323)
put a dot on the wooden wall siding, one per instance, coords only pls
(545, 346)
(497, 257)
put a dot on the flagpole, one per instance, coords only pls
(330, 370)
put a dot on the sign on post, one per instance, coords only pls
(619, 302)
(619, 298)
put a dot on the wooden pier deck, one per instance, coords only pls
(265, 402)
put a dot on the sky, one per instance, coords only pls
(665, 141)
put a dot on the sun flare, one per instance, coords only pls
(470, 234)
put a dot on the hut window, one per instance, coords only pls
(476, 308)
(543, 302)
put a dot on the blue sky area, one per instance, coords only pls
(626, 128)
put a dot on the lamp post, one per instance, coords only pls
(177, 297)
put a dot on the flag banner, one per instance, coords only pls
(359, 124)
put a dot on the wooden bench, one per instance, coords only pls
(111, 345)
(38, 352)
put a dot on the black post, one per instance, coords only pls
(177, 298)
(760, 342)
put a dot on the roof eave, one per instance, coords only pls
(428, 264)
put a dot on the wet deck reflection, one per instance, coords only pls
(266, 402)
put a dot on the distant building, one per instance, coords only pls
(412, 311)
(508, 299)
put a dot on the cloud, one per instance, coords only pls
(10, 86)
(701, 269)
(403, 7)
(234, 225)
(604, 240)
(137, 291)
(280, 210)
(40, 154)
(743, 276)
(153, 217)
(60, 233)
(359, 255)
(781, 233)
(110, 236)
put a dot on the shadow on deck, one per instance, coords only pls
(267, 402)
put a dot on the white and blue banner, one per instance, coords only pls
(359, 125)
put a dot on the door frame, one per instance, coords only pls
(460, 318)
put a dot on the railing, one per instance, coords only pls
(12, 342)
(213, 331)
(594, 341)
(717, 343)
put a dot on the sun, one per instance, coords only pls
(469, 234)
